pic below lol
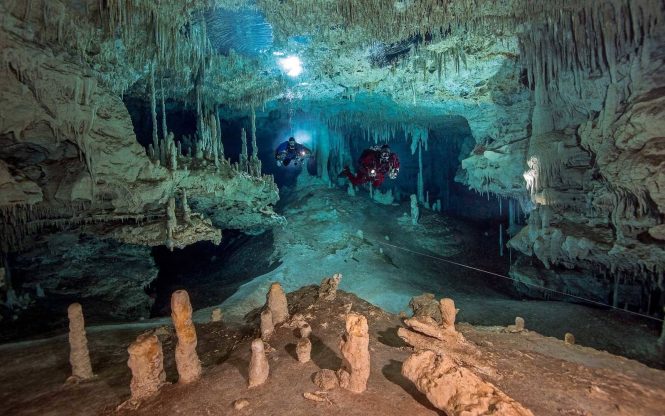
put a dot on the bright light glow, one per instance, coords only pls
(291, 65)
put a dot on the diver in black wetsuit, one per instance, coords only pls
(291, 151)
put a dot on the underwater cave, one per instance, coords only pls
(332, 207)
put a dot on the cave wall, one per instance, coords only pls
(71, 167)
(590, 170)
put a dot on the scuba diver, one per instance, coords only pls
(290, 151)
(373, 166)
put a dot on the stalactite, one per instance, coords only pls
(163, 99)
(420, 185)
(153, 112)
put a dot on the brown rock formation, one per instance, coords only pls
(146, 361)
(518, 327)
(354, 347)
(457, 390)
(304, 331)
(79, 356)
(187, 361)
(304, 350)
(425, 305)
(258, 364)
(267, 326)
(216, 315)
(328, 287)
(326, 379)
(448, 314)
(276, 302)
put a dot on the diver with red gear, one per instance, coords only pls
(373, 166)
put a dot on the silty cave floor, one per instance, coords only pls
(544, 374)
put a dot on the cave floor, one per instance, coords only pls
(544, 374)
(322, 238)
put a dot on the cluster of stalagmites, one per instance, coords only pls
(354, 346)
(444, 365)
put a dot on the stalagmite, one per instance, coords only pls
(661, 339)
(79, 356)
(258, 364)
(187, 361)
(305, 330)
(518, 327)
(354, 347)
(569, 338)
(171, 223)
(326, 379)
(243, 161)
(455, 389)
(256, 162)
(448, 314)
(328, 287)
(220, 144)
(146, 360)
(216, 315)
(277, 304)
(186, 211)
(415, 212)
(267, 326)
(304, 350)
(173, 152)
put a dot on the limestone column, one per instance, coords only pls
(448, 314)
(79, 356)
(267, 326)
(146, 360)
(258, 365)
(186, 359)
(276, 301)
(355, 352)
(244, 160)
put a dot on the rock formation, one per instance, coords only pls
(146, 361)
(456, 389)
(79, 356)
(415, 211)
(518, 327)
(216, 315)
(328, 287)
(267, 327)
(258, 365)
(354, 347)
(70, 158)
(569, 338)
(305, 330)
(187, 361)
(304, 350)
(326, 379)
(426, 305)
(277, 304)
(448, 314)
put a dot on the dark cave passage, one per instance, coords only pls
(209, 273)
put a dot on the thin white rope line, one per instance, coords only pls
(524, 283)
